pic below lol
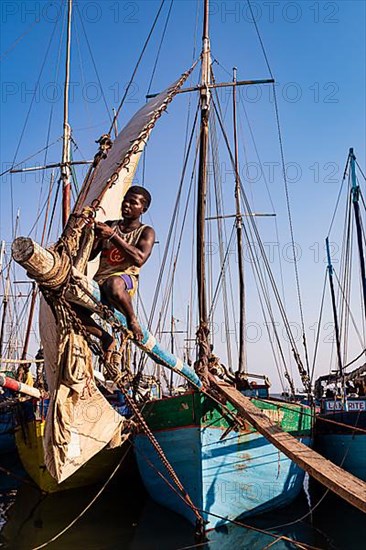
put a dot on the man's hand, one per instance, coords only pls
(103, 231)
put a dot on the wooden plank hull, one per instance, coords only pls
(229, 474)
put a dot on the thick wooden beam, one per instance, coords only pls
(38, 261)
(340, 482)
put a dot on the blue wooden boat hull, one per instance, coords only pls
(239, 476)
(340, 443)
(7, 428)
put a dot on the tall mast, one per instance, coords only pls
(65, 168)
(355, 199)
(239, 240)
(202, 169)
(334, 307)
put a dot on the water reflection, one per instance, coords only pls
(129, 519)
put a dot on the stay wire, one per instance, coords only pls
(318, 331)
(50, 123)
(93, 61)
(295, 261)
(159, 48)
(339, 196)
(13, 166)
(263, 252)
(28, 115)
(83, 512)
(136, 66)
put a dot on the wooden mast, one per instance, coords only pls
(65, 163)
(334, 307)
(202, 169)
(242, 363)
(355, 199)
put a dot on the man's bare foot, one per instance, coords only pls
(109, 345)
(134, 326)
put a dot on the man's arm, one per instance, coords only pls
(139, 253)
(98, 242)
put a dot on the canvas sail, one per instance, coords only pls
(70, 437)
(114, 174)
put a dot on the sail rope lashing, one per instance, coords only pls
(252, 226)
(93, 61)
(115, 117)
(284, 176)
(119, 379)
(34, 95)
(105, 143)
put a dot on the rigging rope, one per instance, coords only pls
(252, 223)
(136, 67)
(295, 261)
(27, 118)
(93, 61)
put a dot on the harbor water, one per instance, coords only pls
(123, 516)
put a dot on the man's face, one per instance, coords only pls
(133, 205)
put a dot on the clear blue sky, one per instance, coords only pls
(316, 52)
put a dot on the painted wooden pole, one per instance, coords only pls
(14, 385)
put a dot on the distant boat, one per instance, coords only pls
(341, 423)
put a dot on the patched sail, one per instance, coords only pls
(113, 175)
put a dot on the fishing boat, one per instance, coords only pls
(341, 423)
(215, 449)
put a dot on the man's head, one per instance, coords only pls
(136, 201)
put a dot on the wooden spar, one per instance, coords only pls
(340, 482)
(242, 367)
(334, 308)
(202, 170)
(37, 260)
(360, 238)
(66, 172)
(14, 385)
